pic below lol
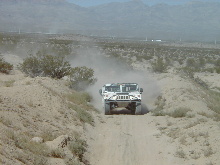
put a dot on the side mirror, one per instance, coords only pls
(100, 91)
(141, 90)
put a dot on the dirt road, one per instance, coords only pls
(129, 140)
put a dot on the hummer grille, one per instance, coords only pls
(122, 97)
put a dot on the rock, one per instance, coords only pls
(37, 139)
(59, 142)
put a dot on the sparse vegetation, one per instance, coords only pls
(157, 57)
(29, 151)
(56, 67)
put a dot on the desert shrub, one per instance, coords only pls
(81, 78)
(5, 67)
(217, 70)
(48, 135)
(190, 62)
(211, 70)
(9, 83)
(57, 153)
(180, 112)
(24, 142)
(5, 121)
(159, 66)
(212, 99)
(55, 67)
(195, 65)
(180, 153)
(45, 65)
(82, 114)
(28, 158)
(217, 63)
(208, 152)
(188, 72)
(160, 103)
(72, 161)
(80, 98)
(78, 147)
(202, 62)
(201, 83)
(31, 66)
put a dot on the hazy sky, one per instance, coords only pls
(87, 3)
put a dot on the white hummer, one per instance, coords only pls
(127, 95)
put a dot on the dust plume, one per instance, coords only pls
(110, 70)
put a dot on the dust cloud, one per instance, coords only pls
(110, 70)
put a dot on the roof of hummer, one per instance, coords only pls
(116, 84)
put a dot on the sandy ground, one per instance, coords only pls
(128, 140)
(117, 139)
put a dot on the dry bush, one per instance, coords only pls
(192, 124)
(57, 153)
(82, 114)
(79, 98)
(159, 66)
(212, 100)
(160, 103)
(78, 148)
(72, 161)
(180, 112)
(31, 151)
(5, 67)
(169, 123)
(9, 83)
(183, 140)
(5, 121)
(174, 133)
(208, 152)
(48, 135)
(81, 78)
(10, 134)
(201, 83)
(180, 154)
(28, 158)
(23, 142)
(30, 103)
(196, 155)
(45, 65)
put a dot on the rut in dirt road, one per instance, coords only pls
(129, 140)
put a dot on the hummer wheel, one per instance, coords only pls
(138, 110)
(107, 109)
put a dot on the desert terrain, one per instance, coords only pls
(43, 121)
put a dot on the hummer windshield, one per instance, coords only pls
(112, 88)
(122, 87)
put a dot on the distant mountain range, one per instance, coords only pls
(191, 21)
